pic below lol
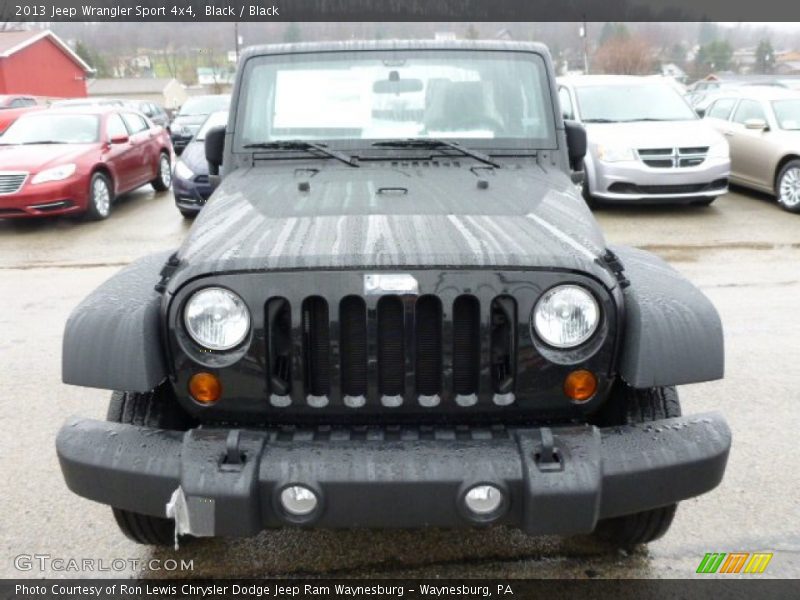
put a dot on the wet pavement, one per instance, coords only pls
(743, 252)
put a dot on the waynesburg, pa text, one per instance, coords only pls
(259, 590)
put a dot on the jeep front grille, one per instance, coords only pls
(673, 158)
(327, 348)
(391, 351)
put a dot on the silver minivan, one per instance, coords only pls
(645, 143)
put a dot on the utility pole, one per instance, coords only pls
(585, 35)
(236, 43)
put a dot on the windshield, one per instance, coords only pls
(496, 98)
(634, 102)
(53, 129)
(204, 105)
(217, 119)
(787, 113)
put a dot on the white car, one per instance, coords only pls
(645, 143)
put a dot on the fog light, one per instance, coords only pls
(298, 500)
(205, 388)
(483, 500)
(580, 385)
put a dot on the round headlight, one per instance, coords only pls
(217, 318)
(566, 316)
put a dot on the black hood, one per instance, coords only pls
(394, 216)
(192, 121)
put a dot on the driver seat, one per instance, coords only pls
(460, 106)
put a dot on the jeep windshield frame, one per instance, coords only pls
(397, 94)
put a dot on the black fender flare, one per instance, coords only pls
(673, 334)
(112, 339)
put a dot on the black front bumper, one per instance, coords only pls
(558, 480)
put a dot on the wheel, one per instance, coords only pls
(627, 406)
(788, 186)
(101, 196)
(188, 214)
(164, 178)
(154, 409)
(590, 200)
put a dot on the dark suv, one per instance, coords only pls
(192, 115)
(395, 311)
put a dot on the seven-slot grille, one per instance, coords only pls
(673, 158)
(390, 352)
(11, 182)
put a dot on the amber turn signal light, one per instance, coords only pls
(580, 385)
(205, 388)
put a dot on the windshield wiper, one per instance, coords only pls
(43, 142)
(303, 145)
(437, 143)
(600, 121)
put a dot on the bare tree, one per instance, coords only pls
(172, 61)
(630, 55)
(220, 71)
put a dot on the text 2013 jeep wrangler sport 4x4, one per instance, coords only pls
(395, 311)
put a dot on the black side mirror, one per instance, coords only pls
(701, 112)
(576, 144)
(215, 148)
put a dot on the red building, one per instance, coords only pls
(40, 64)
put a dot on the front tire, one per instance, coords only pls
(631, 406)
(590, 200)
(787, 187)
(164, 174)
(101, 197)
(188, 214)
(157, 409)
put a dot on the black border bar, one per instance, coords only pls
(399, 10)
(733, 587)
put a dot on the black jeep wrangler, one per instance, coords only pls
(395, 311)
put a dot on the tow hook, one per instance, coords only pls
(234, 458)
(548, 457)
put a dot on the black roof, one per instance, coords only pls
(364, 45)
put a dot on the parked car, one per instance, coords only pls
(17, 101)
(699, 92)
(88, 102)
(71, 161)
(367, 329)
(9, 115)
(192, 115)
(762, 126)
(645, 143)
(152, 110)
(190, 182)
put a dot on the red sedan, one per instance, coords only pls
(77, 161)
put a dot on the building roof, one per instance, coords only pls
(128, 85)
(12, 42)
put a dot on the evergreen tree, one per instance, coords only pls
(765, 57)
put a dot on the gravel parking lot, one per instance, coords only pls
(743, 252)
